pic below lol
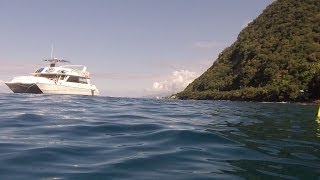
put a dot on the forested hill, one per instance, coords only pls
(275, 58)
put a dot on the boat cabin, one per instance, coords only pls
(66, 73)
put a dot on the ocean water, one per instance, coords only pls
(84, 137)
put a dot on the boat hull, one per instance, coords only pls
(41, 88)
(24, 88)
(68, 89)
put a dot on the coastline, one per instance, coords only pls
(309, 102)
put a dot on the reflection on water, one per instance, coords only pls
(285, 136)
(318, 127)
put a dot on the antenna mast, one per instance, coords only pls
(52, 51)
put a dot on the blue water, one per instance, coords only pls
(84, 137)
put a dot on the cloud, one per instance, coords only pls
(209, 44)
(175, 83)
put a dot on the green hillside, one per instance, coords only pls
(275, 58)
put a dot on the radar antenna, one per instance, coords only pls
(54, 61)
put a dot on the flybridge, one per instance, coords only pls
(71, 70)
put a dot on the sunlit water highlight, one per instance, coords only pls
(83, 137)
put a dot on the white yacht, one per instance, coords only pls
(55, 79)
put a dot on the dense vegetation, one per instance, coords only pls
(275, 58)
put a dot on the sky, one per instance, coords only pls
(132, 48)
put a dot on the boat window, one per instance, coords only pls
(49, 76)
(39, 70)
(63, 77)
(83, 80)
(73, 79)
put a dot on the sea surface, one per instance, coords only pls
(84, 137)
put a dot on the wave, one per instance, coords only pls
(82, 137)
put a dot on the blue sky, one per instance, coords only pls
(131, 47)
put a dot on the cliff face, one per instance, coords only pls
(275, 58)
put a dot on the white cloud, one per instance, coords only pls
(209, 44)
(175, 83)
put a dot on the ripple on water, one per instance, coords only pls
(83, 137)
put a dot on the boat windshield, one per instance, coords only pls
(39, 70)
